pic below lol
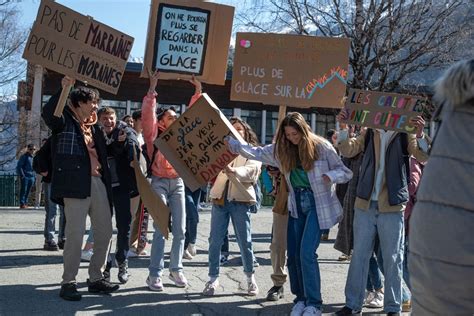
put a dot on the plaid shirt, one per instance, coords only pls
(68, 141)
(328, 208)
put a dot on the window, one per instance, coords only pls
(254, 119)
(324, 123)
(271, 126)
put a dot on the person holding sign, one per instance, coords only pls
(230, 202)
(381, 197)
(81, 180)
(167, 184)
(312, 168)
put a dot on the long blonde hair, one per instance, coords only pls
(305, 152)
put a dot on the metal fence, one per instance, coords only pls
(9, 189)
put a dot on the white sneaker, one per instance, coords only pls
(86, 255)
(210, 288)
(311, 311)
(298, 309)
(154, 283)
(377, 301)
(192, 249)
(178, 278)
(369, 296)
(252, 288)
(187, 255)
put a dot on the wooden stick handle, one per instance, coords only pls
(281, 113)
(62, 101)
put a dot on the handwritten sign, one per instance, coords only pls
(194, 143)
(78, 46)
(182, 34)
(189, 37)
(388, 111)
(291, 70)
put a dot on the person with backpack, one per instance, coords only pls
(381, 197)
(42, 164)
(168, 185)
(230, 203)
(311, 168)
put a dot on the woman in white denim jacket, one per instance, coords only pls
(233, 200)
(312, 169)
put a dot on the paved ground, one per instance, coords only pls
(29, 277)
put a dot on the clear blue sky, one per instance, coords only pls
(130, 17)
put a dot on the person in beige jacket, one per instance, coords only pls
(233, 194)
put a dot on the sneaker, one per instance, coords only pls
(192, 249)
(210, 288)
(406, 306)
(224, 260)
(106, 272)
(101, 286)
(123, 274)
(23, 206)
(324, 237)
(344, 257)
(298, 309)
(255, 263)
(50, 246)
(347, 311)
(311, 311)
(86, 255)
(377, 301)
(61, 244)
(69, 292)
(178, 278)
(369, 296)
(275, 293)
(154, 283)
(393, 314)
(252, 288)
(187, 254)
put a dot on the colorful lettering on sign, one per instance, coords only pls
(321, 82)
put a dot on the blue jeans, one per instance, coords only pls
(390, 229)
(26, 184)
(171, 192)
(123, 219)
(50, 218)
(374, 279)
(304, 237)
(192, 215)
(220, 217)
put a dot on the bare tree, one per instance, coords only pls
(12, 68)
(392, 41)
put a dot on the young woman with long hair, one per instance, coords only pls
(312, 169)
(229, 202)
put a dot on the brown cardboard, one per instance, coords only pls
(155, 206)
(292, 70)
(75, 45)
(389, 111)
(212, 46)
(194, 143)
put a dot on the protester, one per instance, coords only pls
(122, 145)
(81, 180)
(136, 208)
(230, 203)
(312, 168)
(127, 119)
(441, 256)
(39, 184)
(24, 170)
(279, 235)
(382, 194)
(42, 164)
(166, 182)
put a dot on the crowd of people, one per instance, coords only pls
(364, 179)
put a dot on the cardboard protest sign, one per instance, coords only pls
(194, 143)
(292, 70)
(155, 206)
(388, 111)
(188, 37)
(78, 46)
